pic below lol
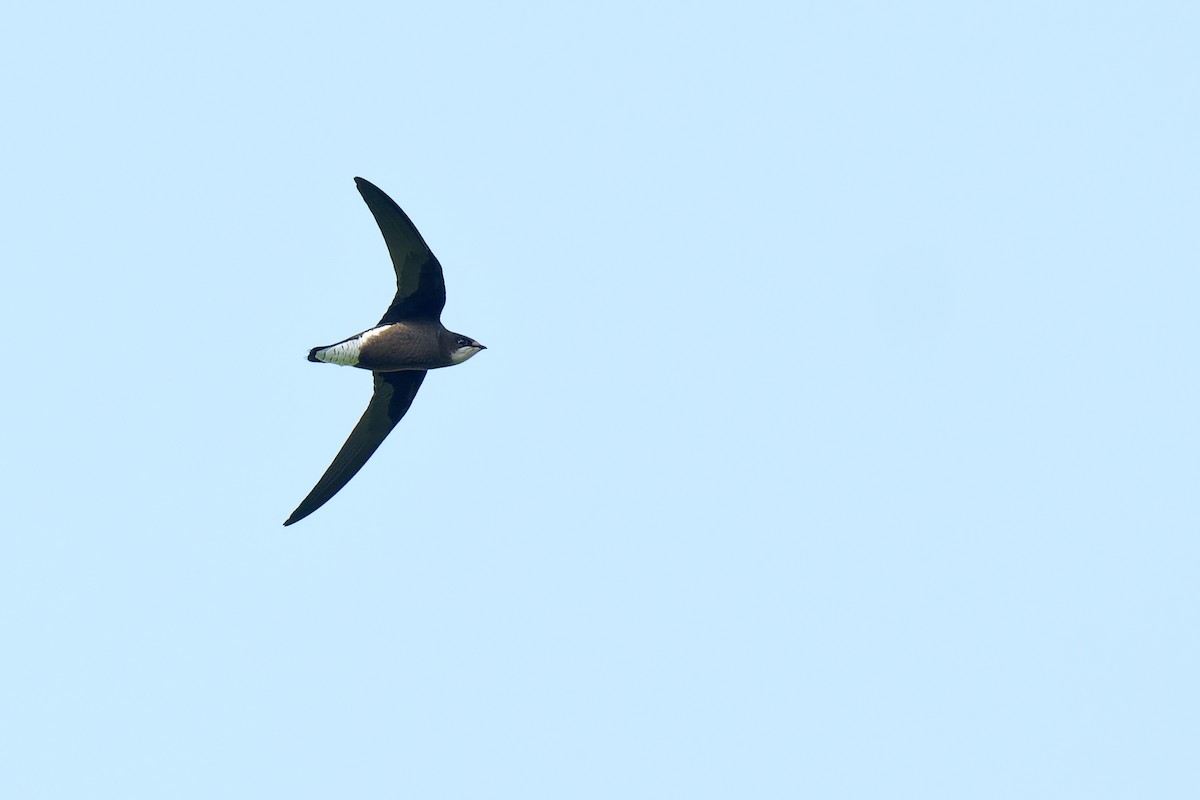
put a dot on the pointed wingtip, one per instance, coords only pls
(299, 513)
(365, 187)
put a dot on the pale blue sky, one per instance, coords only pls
(837, 436)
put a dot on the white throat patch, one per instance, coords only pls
(462, 354)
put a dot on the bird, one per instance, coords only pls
(407, 342)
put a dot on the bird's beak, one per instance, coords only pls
(481, 347)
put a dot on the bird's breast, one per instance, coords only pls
(400, 346)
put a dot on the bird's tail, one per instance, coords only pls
(344, 352)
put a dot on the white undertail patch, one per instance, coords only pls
(346, 353)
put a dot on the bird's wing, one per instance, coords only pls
(394, 393)
(420, 289)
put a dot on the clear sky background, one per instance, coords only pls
(837, 436)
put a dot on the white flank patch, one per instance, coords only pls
(346, 353)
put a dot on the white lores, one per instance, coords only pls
(346, 353)
(463, 353)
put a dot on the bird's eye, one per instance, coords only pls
(463, 342)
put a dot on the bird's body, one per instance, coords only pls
(407, 342)
(394, 347)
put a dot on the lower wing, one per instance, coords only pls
(394, 393)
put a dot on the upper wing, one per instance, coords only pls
(420, 289)
(394, 393)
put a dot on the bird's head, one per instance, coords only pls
(463, 347)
